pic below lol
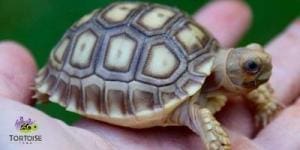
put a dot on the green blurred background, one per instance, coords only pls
(39, 24)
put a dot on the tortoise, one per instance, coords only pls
(141, 65)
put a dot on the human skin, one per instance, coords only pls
(227, 21)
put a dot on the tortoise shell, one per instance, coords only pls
(129, 64)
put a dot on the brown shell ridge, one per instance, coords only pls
(59, 89)
(77, 97)
(44, 83)
(64, 93)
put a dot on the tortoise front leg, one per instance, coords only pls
(203, 123)
(266, 106)
(215, 101)
(214, 136)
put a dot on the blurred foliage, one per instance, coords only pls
(39, 24)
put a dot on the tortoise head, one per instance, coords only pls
(247, 68)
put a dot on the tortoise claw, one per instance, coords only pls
(267, 113)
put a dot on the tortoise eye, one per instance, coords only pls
(251, 67)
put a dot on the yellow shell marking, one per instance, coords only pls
(119, 53)
(57, 55)
(191, 87)
(205, 67)
(156, 18)
(161, 62)
(84, 49)
(120, 12)
(191, 38)
(61, 49)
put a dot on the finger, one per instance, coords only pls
(53, 133)
(157, 138)
(240, 142)
(226, 20)
(285, 51)
(17, 71)
(283, 132)
(236, 116)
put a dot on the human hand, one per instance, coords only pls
(227, 20)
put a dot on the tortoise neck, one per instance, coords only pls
(216, 79)
(219, 79)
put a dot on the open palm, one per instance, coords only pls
(227, 21)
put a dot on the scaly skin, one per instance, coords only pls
(215, 101)
(214, 135)
(265, 106)
(200, 119)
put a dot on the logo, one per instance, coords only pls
(26, 126)
(27, 129)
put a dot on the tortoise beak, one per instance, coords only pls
(264, 77)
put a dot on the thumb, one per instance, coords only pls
(17, 70)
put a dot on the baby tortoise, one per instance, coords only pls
(141, 65)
